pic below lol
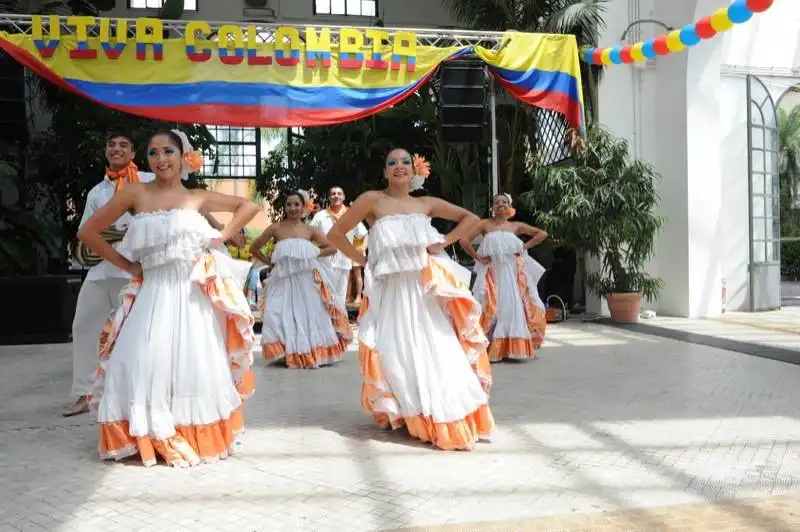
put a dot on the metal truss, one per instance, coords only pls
(23, 24)
(550, 130)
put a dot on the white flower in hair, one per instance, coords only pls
(192, 159)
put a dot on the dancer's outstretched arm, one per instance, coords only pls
(91, 231)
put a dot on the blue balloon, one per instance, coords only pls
(738, 12)
(689, 35)
(587, 55)
(615, 56)
(648, 50)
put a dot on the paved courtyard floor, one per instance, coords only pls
(607, 420)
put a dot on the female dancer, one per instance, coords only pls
(304, 321)
(422, 351)
(506, 284)
(175, 365)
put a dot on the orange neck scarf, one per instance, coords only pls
(337, 215)
(129, 174)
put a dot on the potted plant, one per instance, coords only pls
(604, 205)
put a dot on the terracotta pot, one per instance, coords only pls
(624, 307)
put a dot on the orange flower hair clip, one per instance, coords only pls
(311, 204)
(422, 168)
(195, 160)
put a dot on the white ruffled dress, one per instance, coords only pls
(422, 351)
(176, 355)
(514, 316)
(305, 323)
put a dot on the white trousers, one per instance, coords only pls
(96, 300)
(340, 277)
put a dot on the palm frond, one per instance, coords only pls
(481, 14)
(15, 7)
(582, 18)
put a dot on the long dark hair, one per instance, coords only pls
(173, 137)
(294, 193)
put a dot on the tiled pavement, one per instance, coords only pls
(785, 320)
(767, 514)
(605, 421)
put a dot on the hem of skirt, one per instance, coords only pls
(191, 445)
(316, 358)
(456, 434)
(514, 348)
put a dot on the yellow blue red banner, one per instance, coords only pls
(300, 78)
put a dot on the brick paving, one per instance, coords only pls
(606, 421)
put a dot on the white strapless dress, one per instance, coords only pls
(514, 316)
(176, 354)
(422, 351)
(304, 320)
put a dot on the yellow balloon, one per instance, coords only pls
(636, 52)
(605, 57)
(720, 20)
(674, 41)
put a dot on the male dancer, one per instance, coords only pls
(100, 291)
(342, 265)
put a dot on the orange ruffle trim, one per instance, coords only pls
(317, 357)
(322, 355)
(461, 434)
(513, 348)
(191, 444)
(464, 314)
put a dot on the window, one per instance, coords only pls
(188, 5)
(358, 8)
(238, 153)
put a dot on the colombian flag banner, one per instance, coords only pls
(299, 79)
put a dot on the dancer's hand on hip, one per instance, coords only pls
(135, 269)
(238, 240)
(435, 249)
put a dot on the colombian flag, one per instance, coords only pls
(162, 82)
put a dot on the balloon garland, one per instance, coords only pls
(723, 19)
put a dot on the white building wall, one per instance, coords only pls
(395, 13)
(686, 113)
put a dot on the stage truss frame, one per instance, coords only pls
(550, 128)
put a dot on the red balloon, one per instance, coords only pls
(660, 45)
(759, 6)
(596, 56)
(704, 29)
(625, 54)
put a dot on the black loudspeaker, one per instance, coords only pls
(462, 100)
(42, 310)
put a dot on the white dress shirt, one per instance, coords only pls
(324, 221)
(98, 196)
